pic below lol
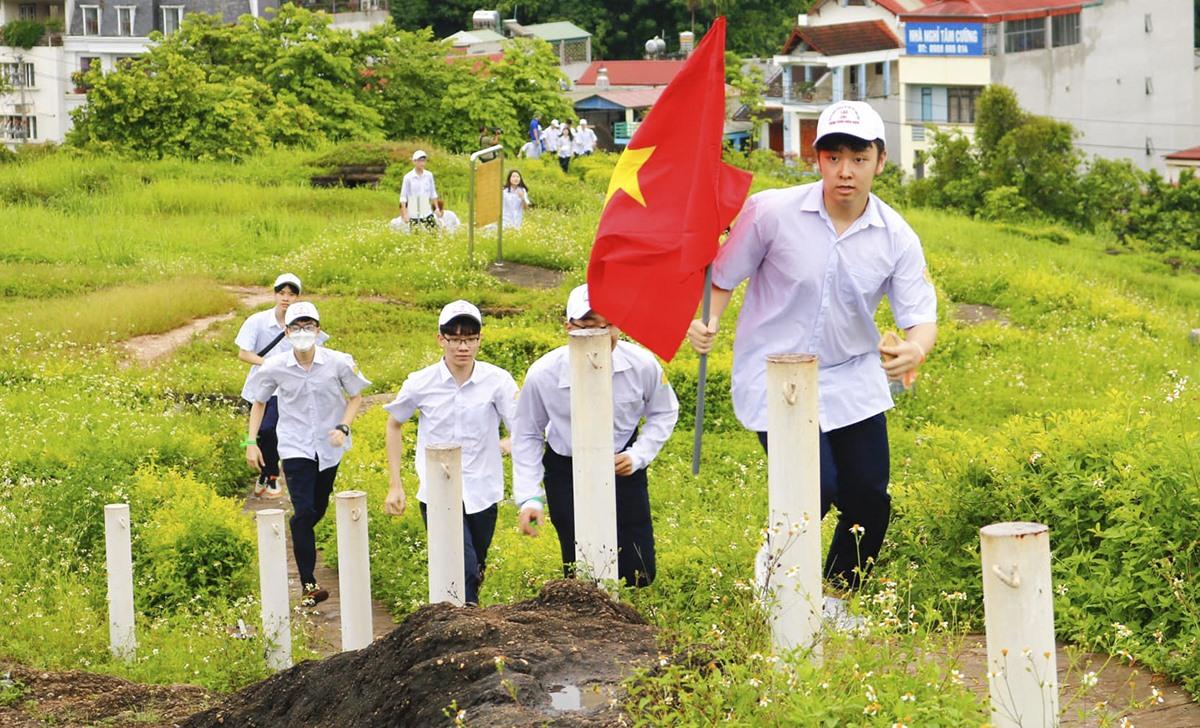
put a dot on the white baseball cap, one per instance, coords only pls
(454, 309)
(304, 309)
(287, 279)
(578, 303)
(419, 154)
(855, 118)
(554, 122)
(583, 122)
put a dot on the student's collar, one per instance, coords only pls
(449, 375)
(814, 201)
(318, 356)
(620, 362)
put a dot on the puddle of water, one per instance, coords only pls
(572, 697)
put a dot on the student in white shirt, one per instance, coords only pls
(418, 194)
(550, 137)
(319, 393)
(515, 199)
(566, 147)
(585, 139)
(461, 401)
(261, 336)
(820, 257)
(542, 444)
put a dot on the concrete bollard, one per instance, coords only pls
(272, 578)
(595, 487)
(354, 570)
(794, 493)
(443, 475)
(118, 558)
(1194, 337)
(1018, 605)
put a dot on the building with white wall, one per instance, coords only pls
(1122, 72)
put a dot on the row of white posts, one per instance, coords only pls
(1018, 602)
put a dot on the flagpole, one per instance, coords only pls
(702, 378)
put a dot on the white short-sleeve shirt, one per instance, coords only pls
(258, 330)
(418, 192)
(468, 415)
(813, 291)
(311, 402)
(640, 390)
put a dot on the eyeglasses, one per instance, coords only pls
(310, 328)
(457, 341)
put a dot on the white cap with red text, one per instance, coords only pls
(855, 118)
(304, 309)
(454, 309)
(578, 304)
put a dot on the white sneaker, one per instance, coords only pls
(836, 613)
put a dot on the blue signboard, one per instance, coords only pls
(943, 39)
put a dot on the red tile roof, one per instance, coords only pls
(892, 6)
(844, 38)
(992, 11)
(632, 73)
(1190, 155)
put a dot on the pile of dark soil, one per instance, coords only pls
(556, 659)
(75, 698)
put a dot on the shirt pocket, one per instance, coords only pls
(627, 412)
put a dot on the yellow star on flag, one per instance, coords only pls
(624, 177)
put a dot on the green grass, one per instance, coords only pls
(1077, 413)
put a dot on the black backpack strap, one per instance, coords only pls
(267, 349)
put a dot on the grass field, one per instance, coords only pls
(1079, 412)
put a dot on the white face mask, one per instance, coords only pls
(303, 340)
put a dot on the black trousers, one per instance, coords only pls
(429, 223)
(855, 468)
(635, 530)
(268, 442)
(309, 489)
(478, 530)
(565, 163)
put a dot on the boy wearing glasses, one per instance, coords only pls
(460, 401)
(262, 335)
(319, 392)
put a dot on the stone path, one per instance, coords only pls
(323, 623)
(151, 348)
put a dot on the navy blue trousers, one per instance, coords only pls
(268, 443)
(855, 468)
(635, 530)
(478, 530)
(309, 489)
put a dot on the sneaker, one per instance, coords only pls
(272, 488)
(260, 488)
(313, 595)
(836, 613)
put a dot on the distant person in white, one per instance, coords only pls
(319, 394)
(585, 139)
(542, 444)
(418, 194)
(820, 257)
(550, 137)
(516, 200)
(461, 401)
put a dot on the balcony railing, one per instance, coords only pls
(345, 6)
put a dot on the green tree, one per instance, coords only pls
(1039, 158)
(996, 114)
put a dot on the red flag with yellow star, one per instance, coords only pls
(669, 199)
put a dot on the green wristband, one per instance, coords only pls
(248, 442)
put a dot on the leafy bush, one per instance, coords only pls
(1004, 203)
(22, 33)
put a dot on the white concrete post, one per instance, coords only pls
(444, 511)
(272, 579)
(592, 470)
(354, 570)
(1018, 606)
(794, 493)
(119, 560)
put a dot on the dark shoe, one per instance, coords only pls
(313, 595)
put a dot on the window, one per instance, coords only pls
(962, 104)
(27, 11)
(125, 15)
(18, 128)
(172, 18)
(1024, 35)
(17, 75)
(86, 63)
(91, 19)
(1064, 30)
(991, 39)
(926, 104)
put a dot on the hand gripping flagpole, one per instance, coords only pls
(702, 378)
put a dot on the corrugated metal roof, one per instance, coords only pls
(1191, 155)
(552, 32)
(992, 11)
(632, 73)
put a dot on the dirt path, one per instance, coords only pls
(1119, 684)
(150, 348)
(323, 623)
